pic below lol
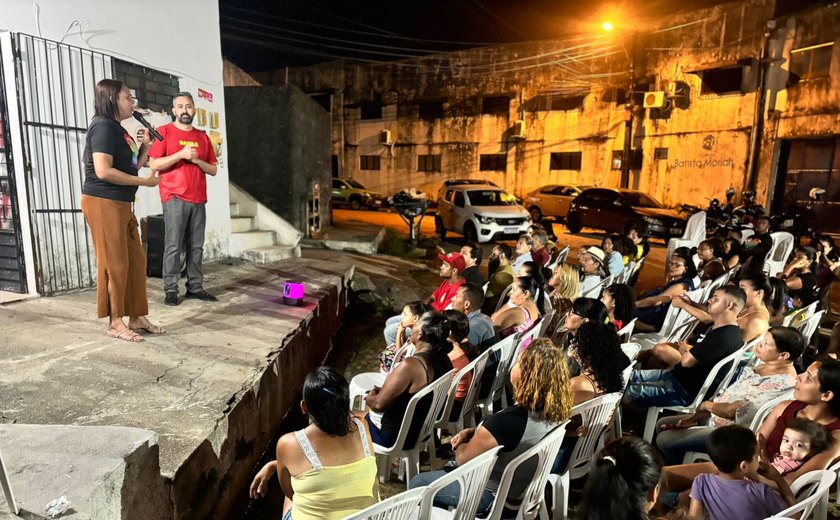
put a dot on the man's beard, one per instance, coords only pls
(185, 119)
(492, 266)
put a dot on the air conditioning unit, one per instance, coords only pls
(654, 99)
(518, 131)
(385, 137)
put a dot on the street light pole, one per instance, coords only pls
(628, 119)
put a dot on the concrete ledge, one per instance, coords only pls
(351, 237)
(105, 471)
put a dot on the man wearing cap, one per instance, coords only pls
(451, 268)
(592, 262)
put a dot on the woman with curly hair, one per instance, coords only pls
(541, 403)
(597, 349)
(620, 302)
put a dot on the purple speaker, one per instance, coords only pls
(293, 293)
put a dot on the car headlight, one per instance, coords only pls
(366, 195)
(652, 221)
(485, 220)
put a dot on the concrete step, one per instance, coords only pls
(252, 240)
(265, 255)
(241, 224)
(234, 209)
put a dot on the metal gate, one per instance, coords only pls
(12, 269)
(55, 83)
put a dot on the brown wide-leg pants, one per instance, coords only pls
(120, 260)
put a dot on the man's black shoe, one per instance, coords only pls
(201, 295)
(171, 299)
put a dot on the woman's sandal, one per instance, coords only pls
(151, 329)
(126, 334)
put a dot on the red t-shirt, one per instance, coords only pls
(443, 295)
(184, 179)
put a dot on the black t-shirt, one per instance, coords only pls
(708, 350)
(472, 275)
(106, 135)
(810, 289)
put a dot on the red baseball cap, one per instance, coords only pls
(456, 260)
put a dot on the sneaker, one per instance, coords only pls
(171, 299)
(202, 295)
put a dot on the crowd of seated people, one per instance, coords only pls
(578, 357)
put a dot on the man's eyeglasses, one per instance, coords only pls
(676, 264)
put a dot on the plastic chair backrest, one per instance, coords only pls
(503, 298)
(399, 507)
(813, 485)
(563, 254)
(439, 390)
(485, 286)
(631, 350)
(627, 331)
(732, 360)
(546, 320)
(476, 368)
(762, 413)
(715, 284)
(800, 314)
(683, 331)
(595, 291)
(595, 414)
(472, 479)
(545, 452)
(524, 339)
(504, 350)
(780, 250)
(809, 326)
(745, 234)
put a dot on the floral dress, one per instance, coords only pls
(755, 391)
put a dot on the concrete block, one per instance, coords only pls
(234, 209)
(266, 255)
(251, 240)
(105, 471)
(241, 224)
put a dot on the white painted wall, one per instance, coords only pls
(179, 37)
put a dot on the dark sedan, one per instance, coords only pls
(608, 209)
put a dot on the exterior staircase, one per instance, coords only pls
(258, 234)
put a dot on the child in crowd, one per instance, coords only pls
(737, 490)
(802, 440)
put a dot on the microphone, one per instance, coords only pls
(138, 116)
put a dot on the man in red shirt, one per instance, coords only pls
(183, 159)
(539, 254)
(451, 269)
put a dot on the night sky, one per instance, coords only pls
(263, 34)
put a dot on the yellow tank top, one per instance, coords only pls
(333, 492)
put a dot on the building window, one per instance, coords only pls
(660, 154)
(615, 162)
(812, 62)
(371, 110)
(567, 102)
(430, 110)
(369, 162)
(492, 162)
(722, 81)
(565, 161)
(495, 105)
(428, 163)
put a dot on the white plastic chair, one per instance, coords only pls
(596, 415)
(523, 339)
(402, 506)
(561, 257)
(758, 419)
(485, 286)
(410, 455)
(713, 286)
(627, 331)
(745, 234)
(546, 320)
(504, 351)
(472, 479)
(466, 417)
(814, 485)
(631, 350)
(533, 499)
(801, 314)
(7, 487)
(674, 317)
(363, 383)
(782, 247)
(653, 412)
(503, 298)
(809, 326)
(695, 232)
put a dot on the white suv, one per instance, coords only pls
(480, 213)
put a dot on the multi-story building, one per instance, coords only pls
(735, 95)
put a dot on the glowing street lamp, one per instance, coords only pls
(607, 26)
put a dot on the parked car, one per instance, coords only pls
(462, 182)
(551, 201)
(608, 209)
(353, 194)
(480, 213)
